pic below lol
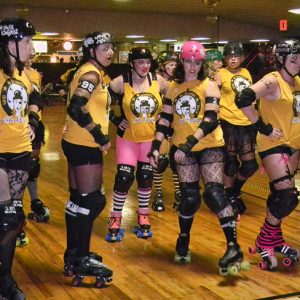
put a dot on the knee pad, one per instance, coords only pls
(248, 168)
(9, 224)
(144, 175)
(124, 178)
(231, 165)
(215, 197)
(282, 202)
(34, 169)
(162, 164)
(190, 198)
(91, 205)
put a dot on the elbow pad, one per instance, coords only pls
(36, 99)
(75, 112)
(209, 126)
(245, 98)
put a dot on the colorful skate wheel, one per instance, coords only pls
(183, 259)
(135, 229)
(68, 270)
(100, 283)
(233, 270)
(22, 242)
(122, 232)
(245, 266)
(77, 280)
(287, 262)
(223, 271)
(252, 250)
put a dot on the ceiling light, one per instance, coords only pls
(49, 33)
(168, 40)
(259, 40)
(200, 38)
(222, 42)
(134, 36)
(141, 42)
(294, 11)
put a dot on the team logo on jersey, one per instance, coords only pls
(187, 105)
(296, 103)
(239, 82)
(144, 106)
(14, 98)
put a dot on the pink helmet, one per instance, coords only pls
(193, 50)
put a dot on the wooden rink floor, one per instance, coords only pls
(145, 269)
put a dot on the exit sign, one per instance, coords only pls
(283, 25)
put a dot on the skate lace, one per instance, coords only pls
(267, 252)
(114, 221)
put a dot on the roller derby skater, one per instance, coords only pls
(197, 145)
(278, 146)
(84, 141)
(17, 132)
(143, 230)
(140, 107)
(115, 232)
(239, 133)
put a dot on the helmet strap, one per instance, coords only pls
(96, 60)
(286, 70)
(19, 64)
(138, 73)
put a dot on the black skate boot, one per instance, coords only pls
(22, 239)
(176, 203)
(183, 253)
(39, 212)
(88, 266)
(70, 258)
(158, 202)
(10, 290)
(232, 261)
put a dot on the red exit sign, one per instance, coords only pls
(283, 25)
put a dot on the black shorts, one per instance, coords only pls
(15, 161)
(279, 149)
(78, 155)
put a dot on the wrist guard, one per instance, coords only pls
(263, 128)
(191, 141)
(154, 147)
(98, 135)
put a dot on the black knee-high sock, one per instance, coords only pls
(71, 219)
(7, 253)
(237, 186)
(228, 225)
(185, 224)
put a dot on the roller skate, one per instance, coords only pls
(232, 261)
(88, 266)
(70, 258)
(143, 230)
(176, 203)
(158, 202)
(22, 239)
(269, 261)
(183, 254)
(39, 212)
(115, 233)
(290, 255)
(10, 290)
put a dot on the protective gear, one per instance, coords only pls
(75, 112)
(94, 39)
(263, 128)
(165, 130)
(245, 98)
(215, 197)
(190, 198)
(15, 29)
(91, 205)
(36, 99)
(191, 141)
(232, 165)
(248, 168)
(192, 50)
(33, 119)
(163, 162)
(124, 178)
(209, 127)
(116, 120)
(282, 49)
(166, 56)
(98, 135)
(144, 175)
(155, 146)
(9, 224)
(212, 55)
(139, 53)
(34, 169)
(233, 49)
(282, 202)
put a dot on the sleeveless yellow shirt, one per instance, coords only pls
(14, 128)
(233, 84)
(98, 105)
(141, 111)
(283, 114)
(188, 102)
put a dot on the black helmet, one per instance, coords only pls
(166, 56)
(282, 49)
(139, 53)
(94, 39)
(16, 29)
(233, 49)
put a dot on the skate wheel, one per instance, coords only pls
(252, 250)
(245, 266)
(22, 242)
(135, 229)
(150, 234)
(183, 259)
(223, 271)
(109, 279)
(233, 270)
(122, 232)
(139, 234)
(77, 281)
(287, 262)
(262, 265)
(100, 283)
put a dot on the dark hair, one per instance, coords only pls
(179, 73)
(5, 62)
